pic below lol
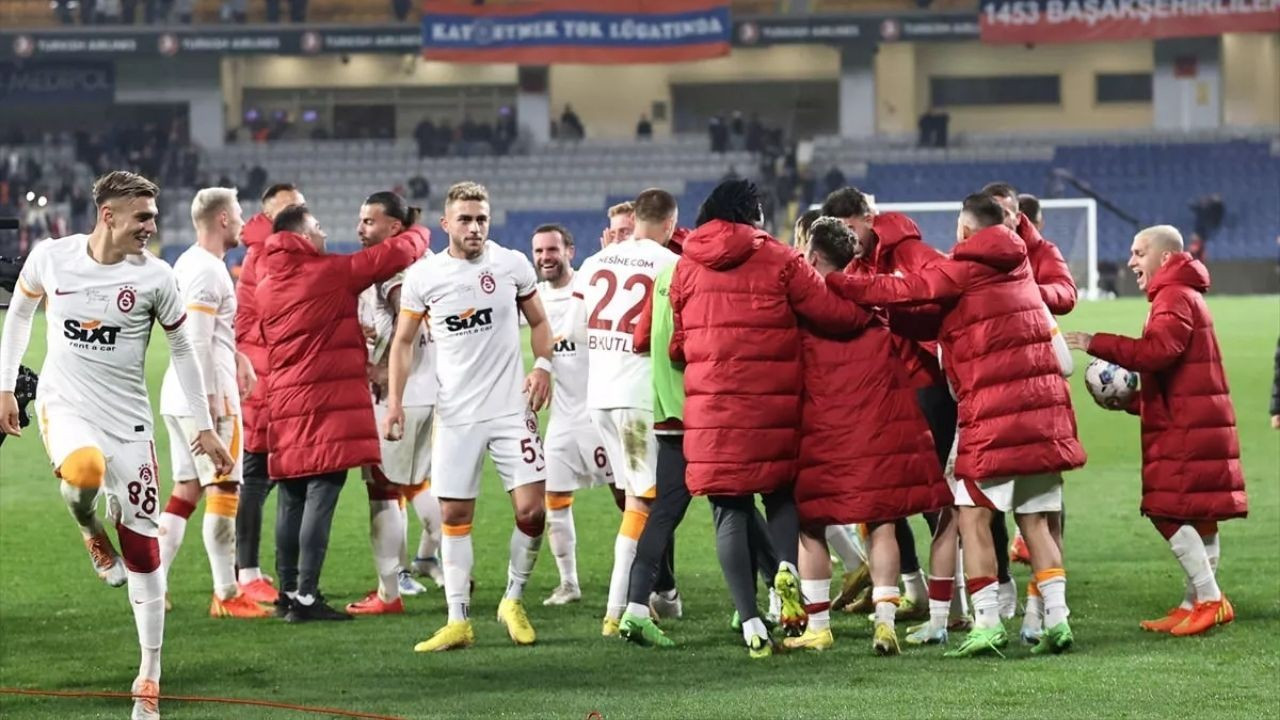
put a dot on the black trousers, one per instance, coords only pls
(655, 548)
(303, 519)
(738, 547)
(253, 495)
(939, 410)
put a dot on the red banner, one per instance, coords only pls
(1073, 21)
(563, 31)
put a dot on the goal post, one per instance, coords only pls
(1069, 223)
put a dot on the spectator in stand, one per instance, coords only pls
(419, 188)
(834, 180)
(755, 134)
(719, 134)
(571, 127)
(644, 128)
(400, 8)
(297, 11)
(737, 132)
(235, 11)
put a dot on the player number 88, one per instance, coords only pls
(143, 497)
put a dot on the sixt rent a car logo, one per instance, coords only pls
(91, 334)
(469, 319)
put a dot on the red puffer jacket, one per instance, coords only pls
(320, 416)
(900, 250)
(866, 454)
(1190, 450)
(735, 297)
(1052, 274)
(248, 336)
(1015, 415)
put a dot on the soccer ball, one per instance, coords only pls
(1111, 386)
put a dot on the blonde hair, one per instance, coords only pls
(207, 203)
(119, 183)
(623, 208)
(466, 190)
(1164, 238)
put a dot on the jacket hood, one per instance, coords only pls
(256, 231)
(997, 247)
(1182, 269)
(721, 245)
(892, 228)
(282, 247)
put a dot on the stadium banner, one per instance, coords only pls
(58, 82)
(604, 31)
(850, 30)
(170, 43)
(1073, 21)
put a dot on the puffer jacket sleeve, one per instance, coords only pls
(942, 281)
(675, 350)
(1163, 341)
(381, 262)
(812, 301)
(1053, 275)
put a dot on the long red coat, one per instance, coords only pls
(1190, 450)
(248, 337)
(320, 416)
(1052, 274)
(866, 454)
(1015, 415)
(735, 297)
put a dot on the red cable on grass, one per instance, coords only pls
(199, 699)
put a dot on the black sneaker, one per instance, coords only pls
(318, 610)
(282, 605)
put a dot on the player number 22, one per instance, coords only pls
(626, 323)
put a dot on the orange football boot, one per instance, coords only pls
(374, 605)
(237, 607)
(260, 590)
(1018, 550)
(1204, 616)
(1171, 620)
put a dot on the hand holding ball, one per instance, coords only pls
(1111, 386)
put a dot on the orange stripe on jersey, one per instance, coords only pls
(411, 314)
(456, 530)
(197, 307)
(234, 447)
(28, 291)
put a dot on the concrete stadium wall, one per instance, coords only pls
(1251, 79)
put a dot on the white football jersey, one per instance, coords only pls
(615, 284)
(99, 320)
(471, 314)
(377, 314)
(569, 363)
(207, 290)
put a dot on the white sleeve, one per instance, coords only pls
(199, 329)
(1066, 365)
(525, 277)
(575, 319)
(169, 312)
(412, 297)
(17, 333)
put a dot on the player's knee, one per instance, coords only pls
(531, 520)
(84, 468)
(141, 553)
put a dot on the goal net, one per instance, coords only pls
(1071, 224)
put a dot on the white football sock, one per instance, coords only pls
(914, 588)
(1054, 593)
(986, 607)
(82, 503)
(841, 542)
(219, 533)
(1194, 558)
(639, 610)
(146, 593)
(624, 553)
(427, 507)
(386, 538)
(524, 553)
(815, 592)
(1213, 548)
(248, 575)
(754, 628)
(886, 599)
(457, 561)
(564, 543)
(960, 596)
(1033, 615)
(172, 529)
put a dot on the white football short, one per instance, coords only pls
(632, 448)
(458, 455)
(576, 458)
(131, 484)
(406, 461)
(187, 465)
(1023, 495)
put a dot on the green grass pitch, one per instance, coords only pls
(62, 629)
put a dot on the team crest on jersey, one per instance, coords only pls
(146, 474)
(487, 283)
(531, 422)
(126, 299)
